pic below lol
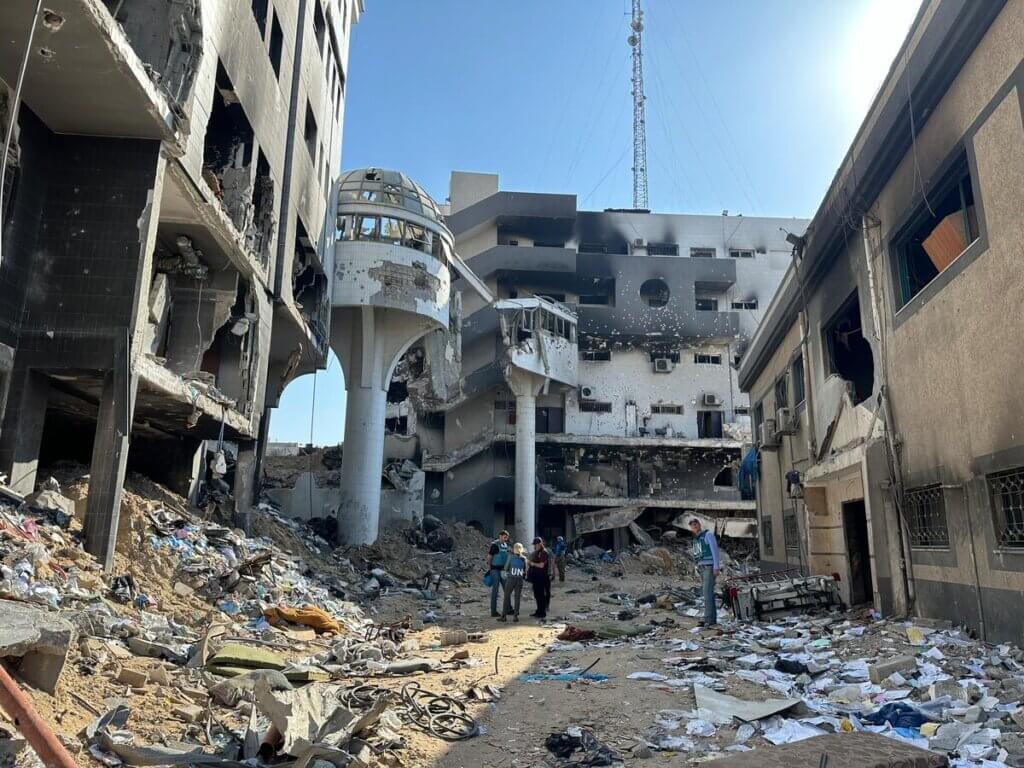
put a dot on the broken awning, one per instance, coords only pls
(605, 519)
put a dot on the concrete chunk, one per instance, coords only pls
(37, 641)
(878, 672)
(190, 713)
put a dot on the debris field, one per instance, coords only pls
(209, 647)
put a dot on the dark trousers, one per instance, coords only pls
(513, 591)
(542, 593)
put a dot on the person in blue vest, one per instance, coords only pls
(705, 553)
(497, 556)
(560, 550)
(515, 574)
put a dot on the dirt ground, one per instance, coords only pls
(617, 710)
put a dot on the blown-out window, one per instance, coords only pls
(943, 226)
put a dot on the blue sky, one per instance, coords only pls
(750, 108)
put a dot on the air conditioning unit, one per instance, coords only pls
(586, 393)
(711, 399)
(639, 243)
(663, 365)
(786, 420)
(769, 438)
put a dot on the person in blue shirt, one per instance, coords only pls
(705, 554)
(497, 555)
(515, 574)
(560, 550)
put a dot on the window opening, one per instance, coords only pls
(702, 253)
(310, 132)
(276, 45)
(259, 12)
(655, 292)
(933, 242)
(741, 253)
(745, 304)
(662, 249)
(593, 406)
(849, 352)
(319, 26)
(596, 355)
(782, 392)
(709, 424)
(706, 305)
(666, 409)
(704, 359)
(797, 372)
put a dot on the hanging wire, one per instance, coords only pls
(13, 109)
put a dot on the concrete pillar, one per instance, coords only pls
(109, 460)
(245, 484)
(362, 465)
(24, 432)
(526, 467)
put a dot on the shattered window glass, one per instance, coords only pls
(391, 230)
(367, 229)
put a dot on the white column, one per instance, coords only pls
(362, 465)
(526, 468)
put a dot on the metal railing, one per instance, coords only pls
(925, 510)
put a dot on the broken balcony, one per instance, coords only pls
(201, 338)
(539, 336)
(77, 44)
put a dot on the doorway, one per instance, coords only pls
(855, 526)
(709, 424)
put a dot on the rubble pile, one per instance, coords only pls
(241, 646)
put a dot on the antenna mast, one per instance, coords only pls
(639, 110)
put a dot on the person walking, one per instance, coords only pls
(560, 551)
(515, 574)
(539, 566)
(705, 554)
(497, 556)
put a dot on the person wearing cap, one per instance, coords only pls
(497, 556)
(705, 554)
(539, 575)
(560, 550)
(515, 573)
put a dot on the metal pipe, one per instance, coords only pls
(906, 563)
(27, 720)
(12, 114)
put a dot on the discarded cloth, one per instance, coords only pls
(307, 616)
(898, 714)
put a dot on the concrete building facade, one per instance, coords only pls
(631, 324)
(163, 271)
(884, 371)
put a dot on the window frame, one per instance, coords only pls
(711, 358)
(798, 388)
(914, 512)
(666, 409)
(959, 164)
(1000, 521)
(703, 252)
(711, 302)
(741, 253)
(595, 406)
(766, 526)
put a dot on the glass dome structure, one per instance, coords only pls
(387, 188)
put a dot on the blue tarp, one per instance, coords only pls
(747, 478)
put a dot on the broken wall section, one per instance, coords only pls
(167, 35)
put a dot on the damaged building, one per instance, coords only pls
(163, 266)
(882, 377)
(603, 377)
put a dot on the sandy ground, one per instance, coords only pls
(617, 710)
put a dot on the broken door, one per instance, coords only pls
(855, 527)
